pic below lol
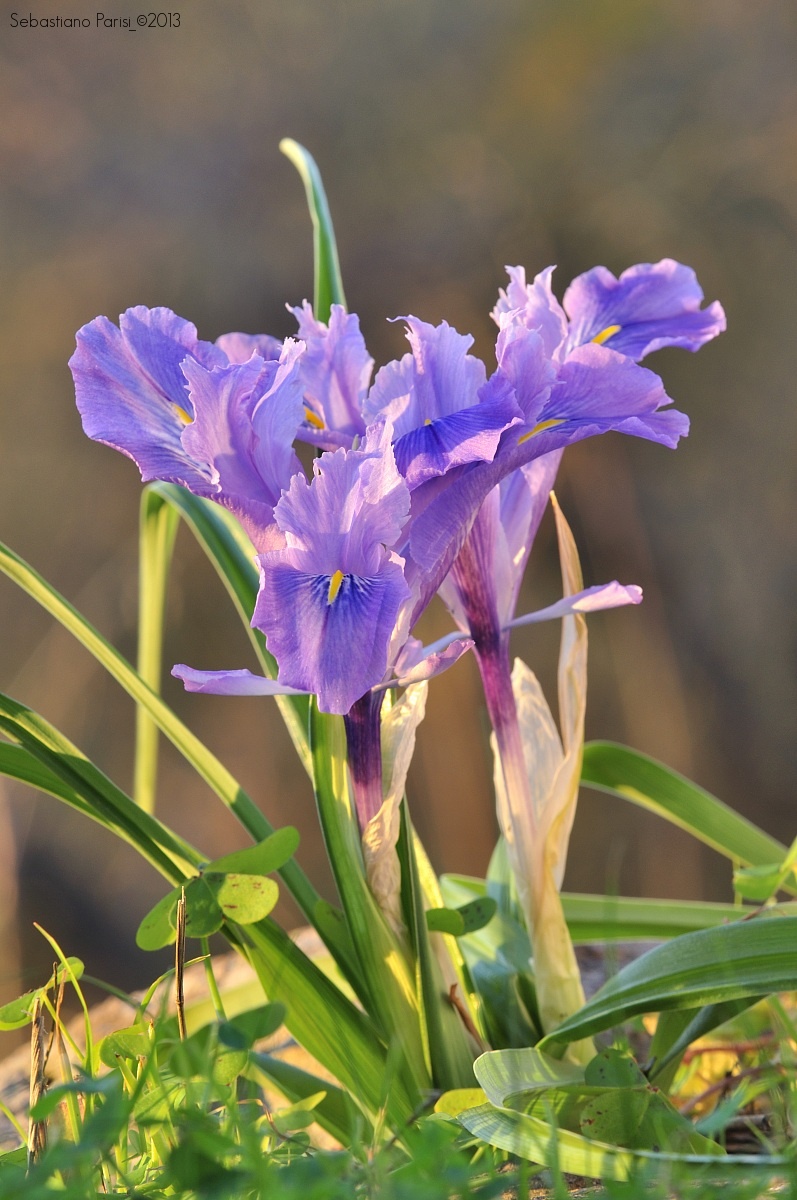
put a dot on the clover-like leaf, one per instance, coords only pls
(246, 1028)
(159, 925)
(267, 856)
(133, 1042)
(242, 898)
(459, 921)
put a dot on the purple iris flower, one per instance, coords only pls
(436, 400)
(218, 419)
(650, 306)
(336, 371)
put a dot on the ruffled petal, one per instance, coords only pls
(418, 662)
(356, 503)
(330, 636)
(437, 379)
(650, 306)
(471, 435)
(336, 371)
(534, 306)
(239, 347)
(131, 393)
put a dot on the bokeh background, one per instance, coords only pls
(142, 168)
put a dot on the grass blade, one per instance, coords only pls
(203, 760)
(328, 281)
(67, 774)
(157, 530)
(642, 780)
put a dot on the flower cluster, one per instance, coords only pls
(417, 470)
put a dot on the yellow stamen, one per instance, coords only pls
(428, 421)
(334, 586)
(605, 334)
(312, 418)
(543, 425)
(183, 415)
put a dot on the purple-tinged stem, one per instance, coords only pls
(363, 738)
(491, 647)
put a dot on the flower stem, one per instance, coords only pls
(363, 739)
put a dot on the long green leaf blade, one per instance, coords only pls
(67, 774)
(330, 1027)
(328, 281)
(157, 530)
(204, 762)
(748, 958)
(534, 1139)
(644, 781)
(336, 1113)
(592, 918)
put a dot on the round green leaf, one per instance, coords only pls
(242, 898)
(246, 1028)
(18, 1012)
(267, 856)
(203, 915)
(159, 925)
(133, 1042)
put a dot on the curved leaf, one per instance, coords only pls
(644, 781)
(328, 282)
(203, 760)
(712, 966)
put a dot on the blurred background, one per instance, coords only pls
(143, 168)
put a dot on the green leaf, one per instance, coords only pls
(615, 1116)
(267, 856)
(538, 1140)
(132, 1043)
(159, 926)
(613, 1069)
(88, 789)
(633, 776)
(745, 959)
(449, 1048)
(498, 959)
(678, 1028)
(592, 918)
(328, 282)
(246, 1028)
(242, 898)
(157, 529)
(19, 1012)
(329, 1026)
(194, 751)
(203, 915)
(465, 919)
(336, 1112)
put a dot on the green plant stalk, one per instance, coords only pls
(158, 524)
(450, 1055)
(389, 986)
(329, 1026)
